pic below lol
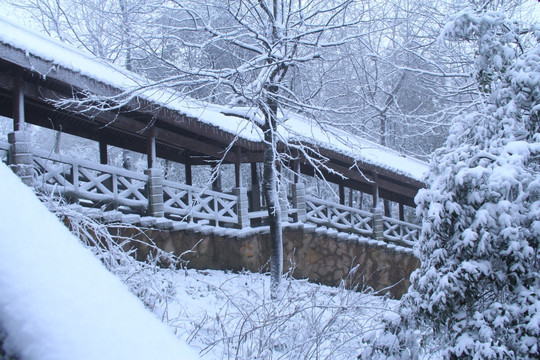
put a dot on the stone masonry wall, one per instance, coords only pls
(322, 256)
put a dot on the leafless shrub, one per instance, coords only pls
(307, 322)
(150, 280)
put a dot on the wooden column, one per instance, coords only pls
(282, 194)
(255, 188)
(387, 208)
(401, 212)
(216, 172)
(103, 159)
(237, 167)
(20, 155)
(341, 194)
(19, 121)
(151, 148)
(296, 168)
(375, 191)
(154, 187)
(103, 156)
(187, 168)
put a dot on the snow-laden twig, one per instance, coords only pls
(307, 322)
(150, 280)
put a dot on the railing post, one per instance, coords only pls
(242, 207)
(20, 156)
(378, 224)
(299, 201)
(154, 191)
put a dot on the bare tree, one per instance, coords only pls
(266, 43)
(404, 83)
(107, 29)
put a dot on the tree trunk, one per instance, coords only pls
(271, 194)
(274, 220)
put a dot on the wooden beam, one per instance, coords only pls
(197, 146)
(385, 194)
(130, 123)
(340, 159)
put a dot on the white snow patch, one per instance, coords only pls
(57, 301)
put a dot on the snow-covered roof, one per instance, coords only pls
(295, 127)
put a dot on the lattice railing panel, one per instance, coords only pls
(86, 180)
(340, 217)
(400, 232)
(199, 204)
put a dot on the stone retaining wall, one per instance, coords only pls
(320, 255)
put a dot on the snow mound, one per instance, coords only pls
(57, 301)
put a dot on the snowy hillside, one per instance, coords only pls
(57, 301)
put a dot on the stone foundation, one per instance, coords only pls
(320, 255)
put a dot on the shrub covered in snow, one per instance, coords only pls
(149, 280)
(477, 293)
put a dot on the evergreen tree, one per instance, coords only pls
(477, 292)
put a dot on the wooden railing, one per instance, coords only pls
(194, 204)
(400, 232)
(339, 217)
(94, 184)
(89, 181)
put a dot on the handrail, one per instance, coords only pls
(196, 204)
(86, 180)
(98, 183)
(339, 216)
(400, 232)
(49, 155)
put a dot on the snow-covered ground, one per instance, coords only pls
(231, 316)
(57, 301)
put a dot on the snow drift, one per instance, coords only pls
(57, 301)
